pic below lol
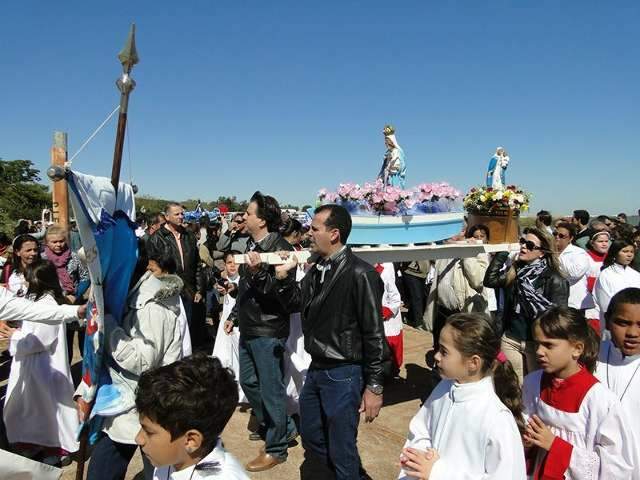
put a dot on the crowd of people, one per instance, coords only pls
(538, 351)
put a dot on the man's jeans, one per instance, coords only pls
(329, 417)
(415, 290)
(110, 460)
(262, 381)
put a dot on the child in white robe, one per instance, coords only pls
(575, 429)
(465, 430)
(226, 346)
(39, 409)
(616, 275)
(619, 361)
(391, 302)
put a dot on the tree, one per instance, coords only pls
(20, 194)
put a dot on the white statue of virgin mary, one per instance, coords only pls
(393, 169)
(496, 171)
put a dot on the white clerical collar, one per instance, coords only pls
(212, 462)
(461, 392)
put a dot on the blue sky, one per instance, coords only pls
(291, 96)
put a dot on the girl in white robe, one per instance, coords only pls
(465, 430)
(576, 429)
(619, 362)
(226, 346)
(39, 408)
(616, 275)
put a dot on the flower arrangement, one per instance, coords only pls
(375, 199)
(487, 200)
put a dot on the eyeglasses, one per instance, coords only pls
(529, 245)
(559, 235)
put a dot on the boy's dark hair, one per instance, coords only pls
(582, 216)
(338, 218)
(545, 217)
(570, 324)
(569, 227)
(268, 210)
(165, 261)
(291, 226)
(629, 296)
(193, 393)
(471, 230)
(230, 253)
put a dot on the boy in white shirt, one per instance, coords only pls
(619, 361)
(183, 409)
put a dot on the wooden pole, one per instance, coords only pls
(59, 192)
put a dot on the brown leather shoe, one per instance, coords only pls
(263, 462)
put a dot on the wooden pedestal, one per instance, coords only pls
(503, 226)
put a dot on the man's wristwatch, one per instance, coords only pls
(375, 388)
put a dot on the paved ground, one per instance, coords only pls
(379, 443)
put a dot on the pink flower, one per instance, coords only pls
(377, 197)
(410, 202)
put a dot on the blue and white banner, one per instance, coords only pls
(107, 231)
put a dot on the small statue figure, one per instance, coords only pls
(393, 169)
(497, 169)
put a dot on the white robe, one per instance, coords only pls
(297, 360)
(392, 300)
(611, 280)
(227, 468)
(184, 332)
(592, 441)
(575, 264)
(17, 284)
(473, 432)
(21, 309)
(227, 347)
(39, 405)
(622, 376)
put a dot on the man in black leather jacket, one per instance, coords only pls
(341, 303)
(264, 328)
(181, 245)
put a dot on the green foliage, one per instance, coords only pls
(20, 194)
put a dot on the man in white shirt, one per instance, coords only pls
(574, 264)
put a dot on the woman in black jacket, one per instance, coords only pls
(532, 284)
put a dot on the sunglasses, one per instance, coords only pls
(562, 236)
(529, 245)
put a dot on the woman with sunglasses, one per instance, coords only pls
(532, 285)
(616, 275)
